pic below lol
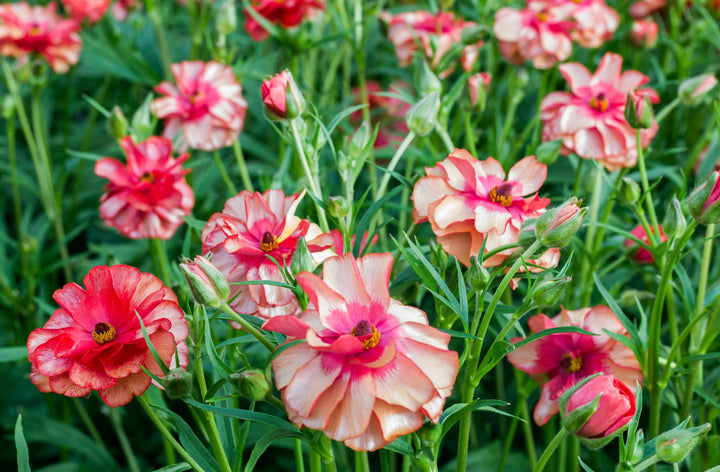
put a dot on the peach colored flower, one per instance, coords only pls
(94, 340)
(286, 13)
(25, 30)
(535, 33)
(557, 361)
(93, 10)
(436, 34)
(644, 33)
(469, 202)
(614, 410)
(206, 110)
(475, 82)
(590, 120)
(371, 368)
(642, 255)
(149, 197)
(251, 227)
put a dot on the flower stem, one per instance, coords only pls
(16, 198)
(224, 173)
(393, 163)
(160, 258)
(548, 452)
(240, 158)
(590, 235)
(247, 326)
(445, 137)
(647, 197)
(124, 441)
(299, 461)
(666, 111)
(697, 333)
(314, 187)
(160, 36)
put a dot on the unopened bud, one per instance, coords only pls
(252, 384)
(338, 207)
(477, 276)
(704, 201)
(638, 111)
(226, 19)
(429, 82)
(556, 227)
(638, 449)
(359, 140)
(143, 122)
(207, 284)
(624, 466)
(282, 99)
(674, 223)
(629, 191)
(674, 446)
(421, 118)
(8, 107)
(302, 259)
(177, 383)
(692, 91)
(547, 292)
(117, 123)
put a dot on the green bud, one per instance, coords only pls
(8, 107)
(226, 18)
(704, 201)
(624, 466)
(294, 100)
(547, 292)
(548, 152)
(556, 227)
(674, 223)
(430, 434)
(252, 384)
(302, 259)
(638, 449)
(177, 383)
(359, 140)
(638, 111)
(207, 284)
(117, 123)
(629, 191)
(143, 122)
(422, 117)
(477, 276)
(429, 82)
(674, 446)
(338, 207)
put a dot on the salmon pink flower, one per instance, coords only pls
(94, 341)
(590, 120)
(206, 110)
(475, 83)
(435, 33)
(468, 202)
(25, 30)
(286, 13)
(642, 255)
(93, 10)
(595, 22)
(371, 368)
(149, 197)
(252, 228)
(558, 361)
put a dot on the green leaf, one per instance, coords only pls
(215, 359)
(400, 446)
(548, 332)
(23, 457)
(246, 415)
(190, 441)
(585, 467)
(13, 354)
(175, 467)
(452, 414)
(627, 324)
(264, 442)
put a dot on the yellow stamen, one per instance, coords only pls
(601, 104)
(269, 242)
(364, 328)
(103, 333)
(501, 194)
(542, 16)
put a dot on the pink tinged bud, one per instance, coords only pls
(644, 33)
(692, 90)
(207, 284)
(704, 201)
(674, 446)
(638, 110)
(556, 227)
(639, 253)
(478, 86)
(281, 97)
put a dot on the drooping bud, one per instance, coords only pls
(674, 446)
(704, 201)
(692, 91)
(556, 227)
(117, 123)
(177, 383)
(547, 292)
(252, 384)
(629, 191)
(207, 284)
(638, 110)
(421, 118)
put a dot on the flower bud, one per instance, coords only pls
(478, 86)
(177, 383)
(252, 384)
(674, 223)
(422, 117)
(638, 110)
(674, 446)
(281, 97)
(556, 227)
(8, 107)
(477, 276)
(117, 123)
(629, 191)
(226, 18)
(638, 449)
(692, 90)
(429, 82)
(527, 235)
(704, 201)
(207, 284)
(143, 122)
(302, 260)
(644, 33)
(338, 207)
(547, 292)
(359, 140)
(624, 466)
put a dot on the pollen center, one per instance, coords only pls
(103, 333)
(600, 102)
(147, 177)
(367, 331)
(269, 242)
(542, 16)
(571, 364)
(501, 194)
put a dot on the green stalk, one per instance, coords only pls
(666, 111)
(209, 420)
(247, 326)
(240, 158)
(470, 135)
(699, 330)
(87, 421)
(160, 258)
(445, 137)
(548, 452)
(315, 461)
(160, 36)
(124, 441)
(362, 464)
(16, 197)
(647, 197)
(393, 163)
(299, 462)
(590, 235)
(224, 173)
(314, 187)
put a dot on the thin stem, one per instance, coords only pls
(647, 197)
(299, 461)
(314, 187)
(87, 421)
(445, 137)
(160, 36)
(362, 463)
(124, 441)
(548, 452)
(590, 235)
(240, 158)
(315, 461)
(247, 326)
(666, 111)
(393, 163)
(160, 257)
(652, 460)
(470, 135)
(702, 286)
(224, 173)
(16, 196)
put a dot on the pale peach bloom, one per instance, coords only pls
(371, 368)
(93, 10)
(436, 34)
(644, 33)
(469, 202)
(535, 33)
(206, 110)
(25, 30)
(251, 227)
(475, 82)
(590, 120)
(595, 22)
(286, 13)
(644, 8)
(559, 360)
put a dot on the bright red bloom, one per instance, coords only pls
(614, 410)
(590, 120)
(372, 368)
(251, 227)
(93, 10)
(286, 13)
(559, 360)
(642, 255)
(274, 93)
(206, 110)
(94, 341)
(25, 29)
(148, 197)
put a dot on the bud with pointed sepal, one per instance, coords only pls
(177, 383)
(547, 292)
(692, 91)
(252, 384)
(674, 446)
(556, 227)
(282, 99)
(704, 201)
(638, 110)
(207, 284)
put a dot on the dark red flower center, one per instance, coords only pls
(103, 333)
(502, 194)
(570, 363)
(600, 102)
(370, 334)
(268, 242)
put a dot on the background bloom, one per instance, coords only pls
(93, 10)
(206, 110)
(286, 13)
(642, 255)
(25, 29)
(595, 22)
(94, 340)
(388, 111)
(371, 369)
(558, 361)
(148, 197)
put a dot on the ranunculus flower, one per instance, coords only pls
(276, 91)
(206, 110)
(558, 361)
(251, 227)
(614, 410)
(691, 90)
(93, 10)
(534, 33)
(149, 197)
(642, 255)
(476, 82)
(590, 120)
(595, 22)
(94, 341)
(286, 13)
(644, 8)
(121, 8)
(435, 33)
(644, 33)
(468, 201)
(371, 368)
(37, 29)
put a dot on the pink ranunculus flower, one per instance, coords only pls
(26, 29)
(286, 13)
(642, 255)
(558, 361)
(93, 10)
(251, 227)
(590, 119)
(371, 368)
(475, 82)
(468, 202)
(435, 34)
(614, 410)
(643, 8)
(148, 197)
(534, 33)
(94, 341)
(644, 33)
(595, 22)
(206, 110)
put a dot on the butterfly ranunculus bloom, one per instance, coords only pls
(535, 33)
(435, 33)
(37, 29)
(642, 255)
(614, 410)
(590, 119)
(558, 361)
(251, 227)
(94, 341)
(93, 10)
(468, 202)
(371, 368)
(595, 22)
(475, 82)
(286, 13)
(149, 197)
(206, 110)
(643, 8)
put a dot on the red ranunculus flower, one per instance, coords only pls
(94, 340)
(287, 13)
(614, 410)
